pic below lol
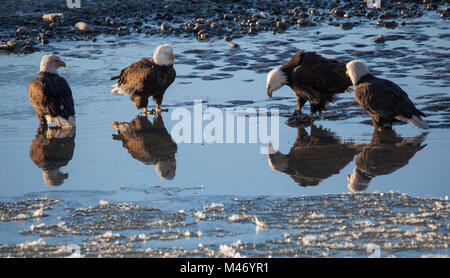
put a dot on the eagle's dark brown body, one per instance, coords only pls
(315, 79)
(145, 78)
(384, 100)
(51, 96)
(314, 157)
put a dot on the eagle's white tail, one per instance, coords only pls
(416, 121)
(119, 90)
(116, 89)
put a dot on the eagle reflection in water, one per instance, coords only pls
(386, 153)
(52, 149)
(314, 157)
(149, 142)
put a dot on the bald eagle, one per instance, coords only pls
(313, 157)
(386, 153)
(50, 94)
(149, 143)
(312, 77)
(147, 77)
(384, 100)
(51, 149)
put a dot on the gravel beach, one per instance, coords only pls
(24, 30)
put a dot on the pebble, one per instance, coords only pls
(165, 27)
(28, 49)
(336, 12)
(83, 26)
(13, 44)
(234, 45)
(203, 35)
(22, 30)
(388, 24)
(4, 47)
(53, 18)
(347, 25)
(305, 23)
(378, 39)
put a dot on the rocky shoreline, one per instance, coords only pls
(23, 29)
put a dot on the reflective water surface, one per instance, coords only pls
(120, 155)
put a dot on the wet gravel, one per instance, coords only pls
(24, 30)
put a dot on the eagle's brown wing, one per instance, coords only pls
(137, 77)
(51, 95)
(143, 79)
(385, 99)
(321, 74)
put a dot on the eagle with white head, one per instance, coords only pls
(312, 77)
(50, 94)
(147, 77)
(384, 100)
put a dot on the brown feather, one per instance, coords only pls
(384, 100)
(315, 78)
(145, 78)
(51, 95)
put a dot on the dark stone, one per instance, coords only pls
(378, 39)
(347, 25)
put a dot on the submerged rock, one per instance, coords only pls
(299, 119)
(347, 25)
(379, 39)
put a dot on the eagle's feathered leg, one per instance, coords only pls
(300, 102)
(315, 112)
(158, 100)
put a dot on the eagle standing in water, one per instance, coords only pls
(50, 94)
(147, 77)
(384, 100)
(312, 77)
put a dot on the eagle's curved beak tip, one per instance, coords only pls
(61, 63)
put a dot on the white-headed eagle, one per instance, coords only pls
(384, 100)
(50, 94)
(312, 77)
(147, 77)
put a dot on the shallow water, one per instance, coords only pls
(101, 165)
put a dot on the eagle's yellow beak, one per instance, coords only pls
(346, 73)
(269, 93)
(171, 57)
(61, 63)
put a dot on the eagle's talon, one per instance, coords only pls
(149, 112)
